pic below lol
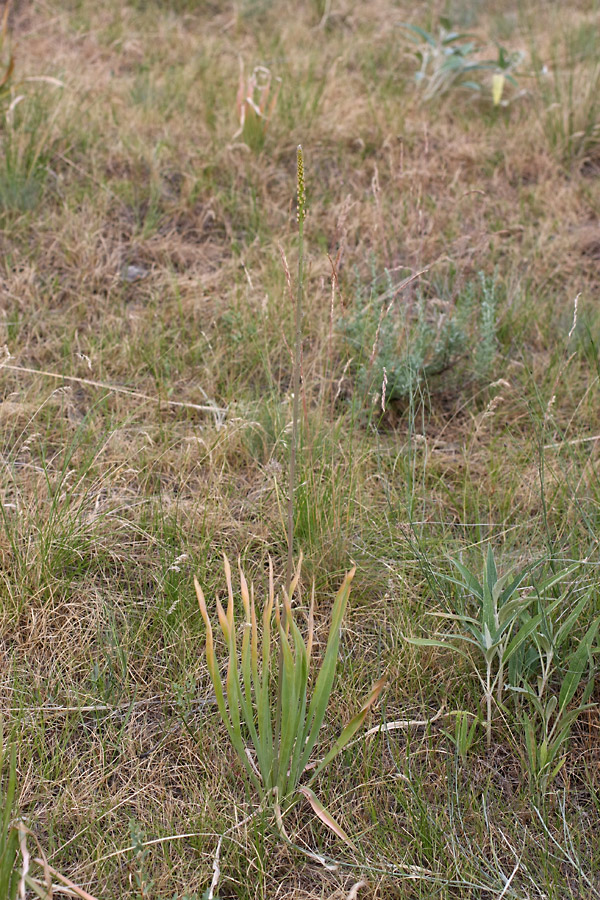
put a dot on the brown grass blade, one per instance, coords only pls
(75, 889)
(325, 816)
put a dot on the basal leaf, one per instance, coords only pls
(498, 80)
(325, 816)
(324, 682)
(577, 663)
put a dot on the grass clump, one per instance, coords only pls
(17, 868)
(283, 731)
(9, 836)
(256, 102)
(567, 80)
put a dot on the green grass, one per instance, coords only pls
(169, 443)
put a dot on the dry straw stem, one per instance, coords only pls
(44, 889)
(74, 889)
(217, 411)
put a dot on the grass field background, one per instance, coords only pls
(450, 402)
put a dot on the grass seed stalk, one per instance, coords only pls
(301, 195)
(281, 726)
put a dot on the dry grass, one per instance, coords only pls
(146, 257)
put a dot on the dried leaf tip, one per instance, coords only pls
(301, 187)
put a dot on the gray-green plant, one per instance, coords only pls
(488, 312)
(494, 631)
(140, 879)
(408, 345)
(452, 59)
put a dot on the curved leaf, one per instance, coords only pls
(325, 816)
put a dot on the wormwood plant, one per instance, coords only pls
(499, 628)
(451, 60)
(138, 875)
(266, 705)
(414, 343)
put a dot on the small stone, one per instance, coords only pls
(133, 273)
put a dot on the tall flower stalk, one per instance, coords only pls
(297, 364)
(301, 198)
(274, 731)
